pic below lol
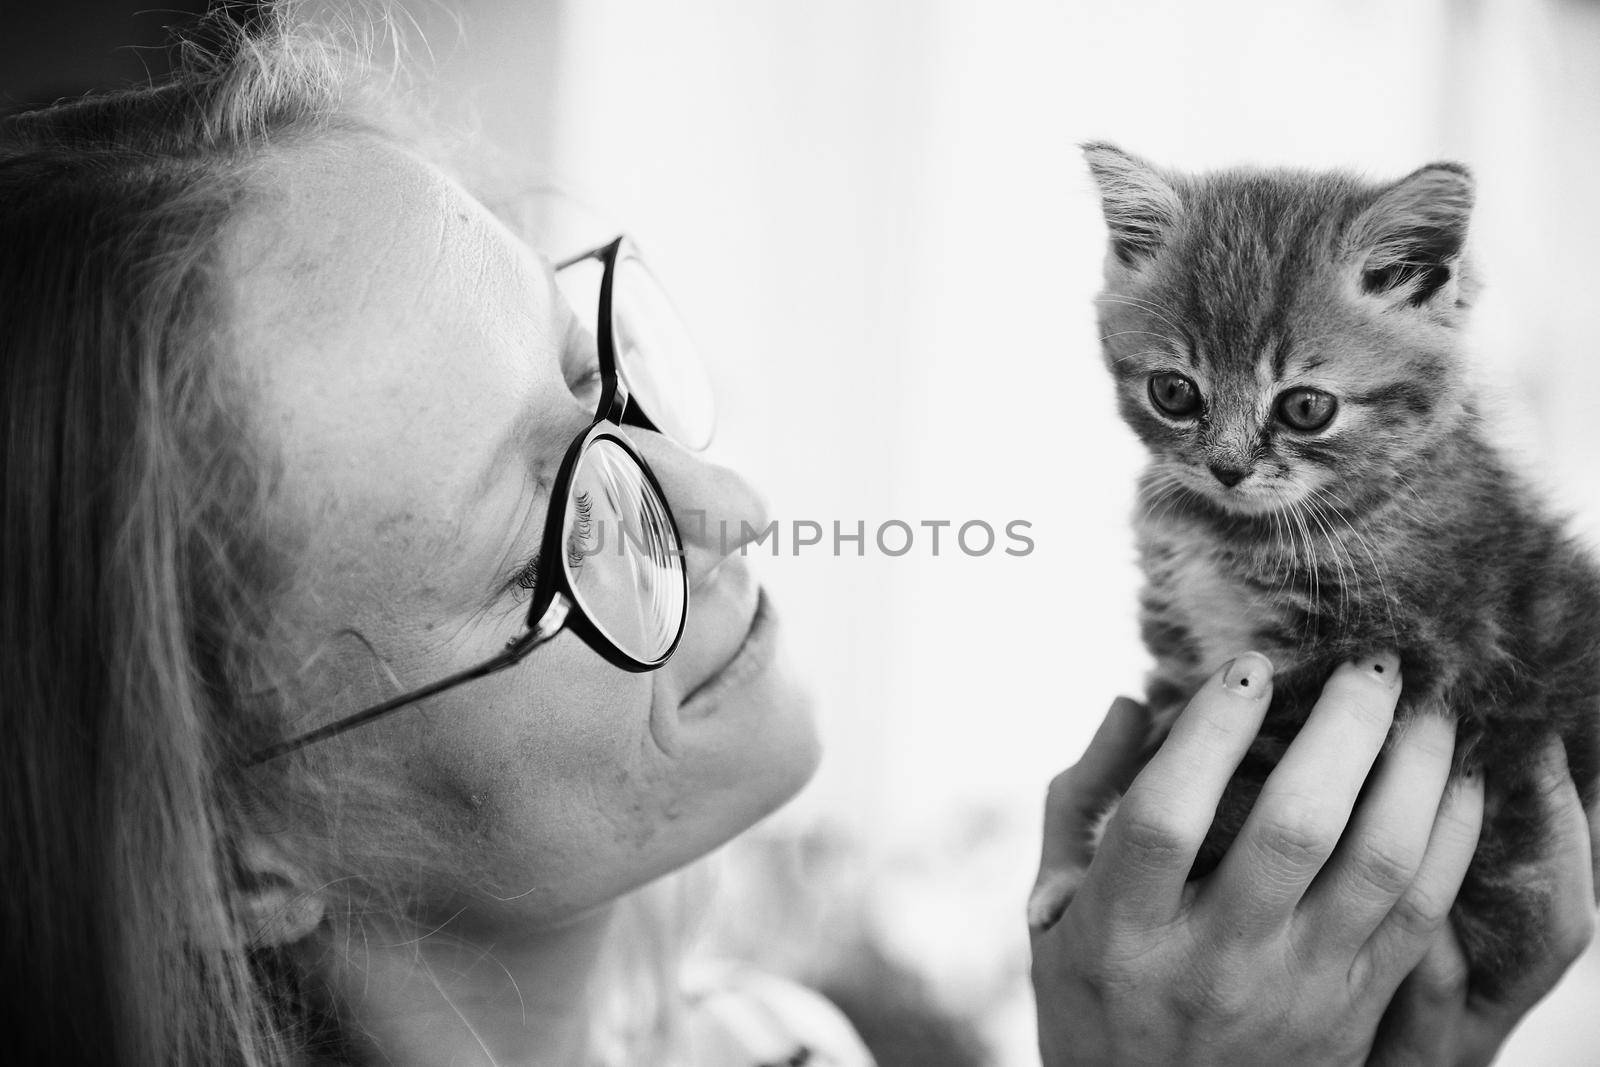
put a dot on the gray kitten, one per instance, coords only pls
(1288, 347)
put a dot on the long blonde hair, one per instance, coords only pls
(136, 589)
(137, 583)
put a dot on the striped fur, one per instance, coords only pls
(1397, 525)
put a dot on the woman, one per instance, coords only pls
(358, 674)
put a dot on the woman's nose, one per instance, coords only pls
(718, 512)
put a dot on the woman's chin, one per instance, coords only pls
(796, 744)
(762, 739)
(772, 720)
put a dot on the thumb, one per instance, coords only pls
(1075, 797)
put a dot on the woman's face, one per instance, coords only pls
(420, 377)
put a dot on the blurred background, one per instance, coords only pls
(875, 217)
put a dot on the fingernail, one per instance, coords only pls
(1382, 667)
(1471, 778)
(1248, 675)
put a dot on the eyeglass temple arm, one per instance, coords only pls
(516, 650)
(593, 253)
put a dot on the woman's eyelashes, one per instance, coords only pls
(527, 576)
(580, 546)
(582, 531)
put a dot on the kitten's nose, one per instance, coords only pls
(1228, 476)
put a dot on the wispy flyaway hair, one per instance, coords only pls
(132, 581)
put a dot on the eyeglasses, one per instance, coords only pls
(627, 599)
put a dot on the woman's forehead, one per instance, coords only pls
(392, 331)
(343, 228)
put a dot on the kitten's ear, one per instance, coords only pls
(1408, 242)
(1140, 204)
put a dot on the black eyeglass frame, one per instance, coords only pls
(555, 604)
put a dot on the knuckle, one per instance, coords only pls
(1443, 981)
(1111, 970)
(1101, 978)
(1421, 911)
(1298, 831)
(1156, 836)
(1214, 998)
(1384, 867)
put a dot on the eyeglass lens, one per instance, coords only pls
(623, 560)
(658, 358)
(622, 557)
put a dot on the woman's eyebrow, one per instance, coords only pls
(519, 539)
(527, 434)
(493, 505)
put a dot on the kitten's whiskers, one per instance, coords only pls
(1165, 494)
(1341, 556)
(1166, 315)
(1313, 568)
(1281, 560)
(1134, 355)
(1135, 333)
(1372, 556)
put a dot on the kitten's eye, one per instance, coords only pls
(1306, 410)
(1175, 395)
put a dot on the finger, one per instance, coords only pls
(1075, 799)
(1076, 794)
(1381, 851)
(1308, 797)
(1423, 909)
(1565, 869)
(1565, 874)
(1150, 843)
(1426, 1016)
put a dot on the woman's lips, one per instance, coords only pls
(752, 654)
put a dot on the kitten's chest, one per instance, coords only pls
(1198, 601)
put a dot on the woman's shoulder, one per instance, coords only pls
(739, 1016)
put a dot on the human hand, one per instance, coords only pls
(1433, 1018)
(1292, 949)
